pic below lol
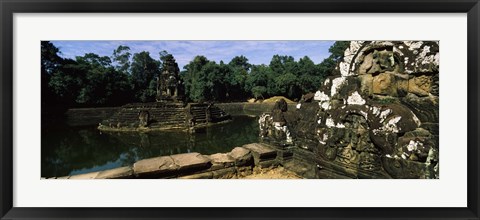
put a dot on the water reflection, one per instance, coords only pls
(75, 150)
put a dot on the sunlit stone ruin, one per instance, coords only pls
(169, 112)
(376, 116)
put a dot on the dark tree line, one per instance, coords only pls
(239, 80)
(92, 80)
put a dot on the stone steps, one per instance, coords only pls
(164, 114)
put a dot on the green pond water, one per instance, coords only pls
(75, 150)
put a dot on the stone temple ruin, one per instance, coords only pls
(376, 117)
(168, 112)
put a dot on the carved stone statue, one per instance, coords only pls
(144, 117)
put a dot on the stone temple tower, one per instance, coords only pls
(169, 84)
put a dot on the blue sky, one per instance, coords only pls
(257, 52)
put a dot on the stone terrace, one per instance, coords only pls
(238, 163)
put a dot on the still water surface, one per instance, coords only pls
(75, 150)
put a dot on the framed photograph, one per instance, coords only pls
(230, 109)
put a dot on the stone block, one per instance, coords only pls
(221, 160)
(191, 161)
(117, 173)
(85, 176)
(242, 156)
(384, 84)
(158, 166)
(261, 152)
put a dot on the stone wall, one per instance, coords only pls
(88, 116)
(240, 162)
(245, 108)
(376, 117)
(157, 116)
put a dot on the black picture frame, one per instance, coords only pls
(9, 7)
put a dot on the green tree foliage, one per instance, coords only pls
(235, 78)
(121, 56)
(89, 80)
(50, 63)
(257, 81)
(93, 80)
(195, 79)
(144, 71)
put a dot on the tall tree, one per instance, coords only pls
(51, 62)
(309, 78)
(144, 72)
(121, 56)
(195, 78)
(284, 72)
(235, 78)
(257, 81)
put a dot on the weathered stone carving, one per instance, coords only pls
(169, 84)
(144, 118)
(378, 118)
(274, 125)
(169, 111)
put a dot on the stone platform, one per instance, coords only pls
(164, 116)
(238, 163)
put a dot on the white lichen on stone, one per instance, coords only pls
(432, 156)
(336, 83)
(327, 81)
(413, 145)
(285, 130)
(396, 50)
(263, 121)
(321, 96)
(413, 45)
(416, 120)
(348, 58)
(355, 99)
(324, 100)
(384, 114)
(324, 105)
(330, 123)
(375, 110)
(364, 114)
(391, 125)
(436, 60)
